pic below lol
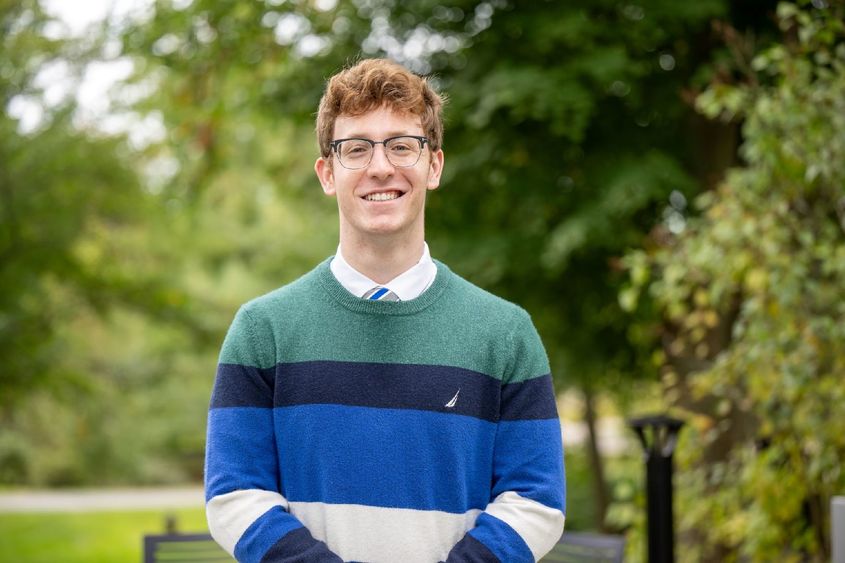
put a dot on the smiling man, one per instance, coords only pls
(381, 408)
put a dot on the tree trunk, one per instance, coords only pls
(596, 461)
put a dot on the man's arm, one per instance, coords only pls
(247, 515)
(525, 517)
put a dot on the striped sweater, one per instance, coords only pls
(342, 429)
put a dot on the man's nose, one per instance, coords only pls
(380, 165)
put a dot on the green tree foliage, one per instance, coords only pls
(563, 146)
(56, 183)
(751, 293)
(82, 264)
(123, 265)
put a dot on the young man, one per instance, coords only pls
(381, 408)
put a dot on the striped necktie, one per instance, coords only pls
(379, 293)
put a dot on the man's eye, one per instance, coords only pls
(357, 148)
(400, 147)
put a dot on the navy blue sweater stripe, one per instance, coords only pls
(299, 545)
(435, 388)
(502, 540)
(470, 550)
(397, 386)
(529, 400)
(242, 386)
(265, 532)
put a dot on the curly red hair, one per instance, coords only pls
(373, 83)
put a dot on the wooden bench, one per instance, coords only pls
(583, 547)
(183, 548)
(573, 547)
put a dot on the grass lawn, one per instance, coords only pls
(87, 537)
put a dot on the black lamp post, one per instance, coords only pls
(659, 435)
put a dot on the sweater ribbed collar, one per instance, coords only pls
(357, 304)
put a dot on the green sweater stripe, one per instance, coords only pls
(329, 323)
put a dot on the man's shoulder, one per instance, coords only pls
(483, 302)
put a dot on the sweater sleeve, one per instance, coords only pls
(525, 516)
(247, 514)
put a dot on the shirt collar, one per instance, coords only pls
(408, 285)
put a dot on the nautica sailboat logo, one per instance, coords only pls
(453, 401)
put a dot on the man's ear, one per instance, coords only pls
(323, 168)
(435, 169)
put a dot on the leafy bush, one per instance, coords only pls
(754, 319)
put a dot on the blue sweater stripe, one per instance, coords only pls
(338, 443)
(449, 457)
(396, 386)
(523, 464)
(238, 456)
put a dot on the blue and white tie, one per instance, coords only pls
(379, 293)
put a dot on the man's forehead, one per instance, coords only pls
(383, 120)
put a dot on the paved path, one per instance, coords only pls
(614, 439)
(101, 499)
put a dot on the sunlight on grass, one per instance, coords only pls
(89, 537)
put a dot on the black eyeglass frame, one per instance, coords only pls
(420, 139)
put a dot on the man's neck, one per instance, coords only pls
(382, 260)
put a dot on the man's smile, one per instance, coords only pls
(384, 196)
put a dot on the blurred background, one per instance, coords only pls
(661, 184)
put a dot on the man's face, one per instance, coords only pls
(361, 214)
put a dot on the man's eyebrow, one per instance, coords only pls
(387, 136)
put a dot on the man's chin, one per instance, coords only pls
(388, 229)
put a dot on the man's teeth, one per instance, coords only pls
(383, 196)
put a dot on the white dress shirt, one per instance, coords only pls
(408, 285)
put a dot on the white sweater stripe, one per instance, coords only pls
(376, 534)
(229, 515)
(538, 525)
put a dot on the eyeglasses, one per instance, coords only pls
(355, 153)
